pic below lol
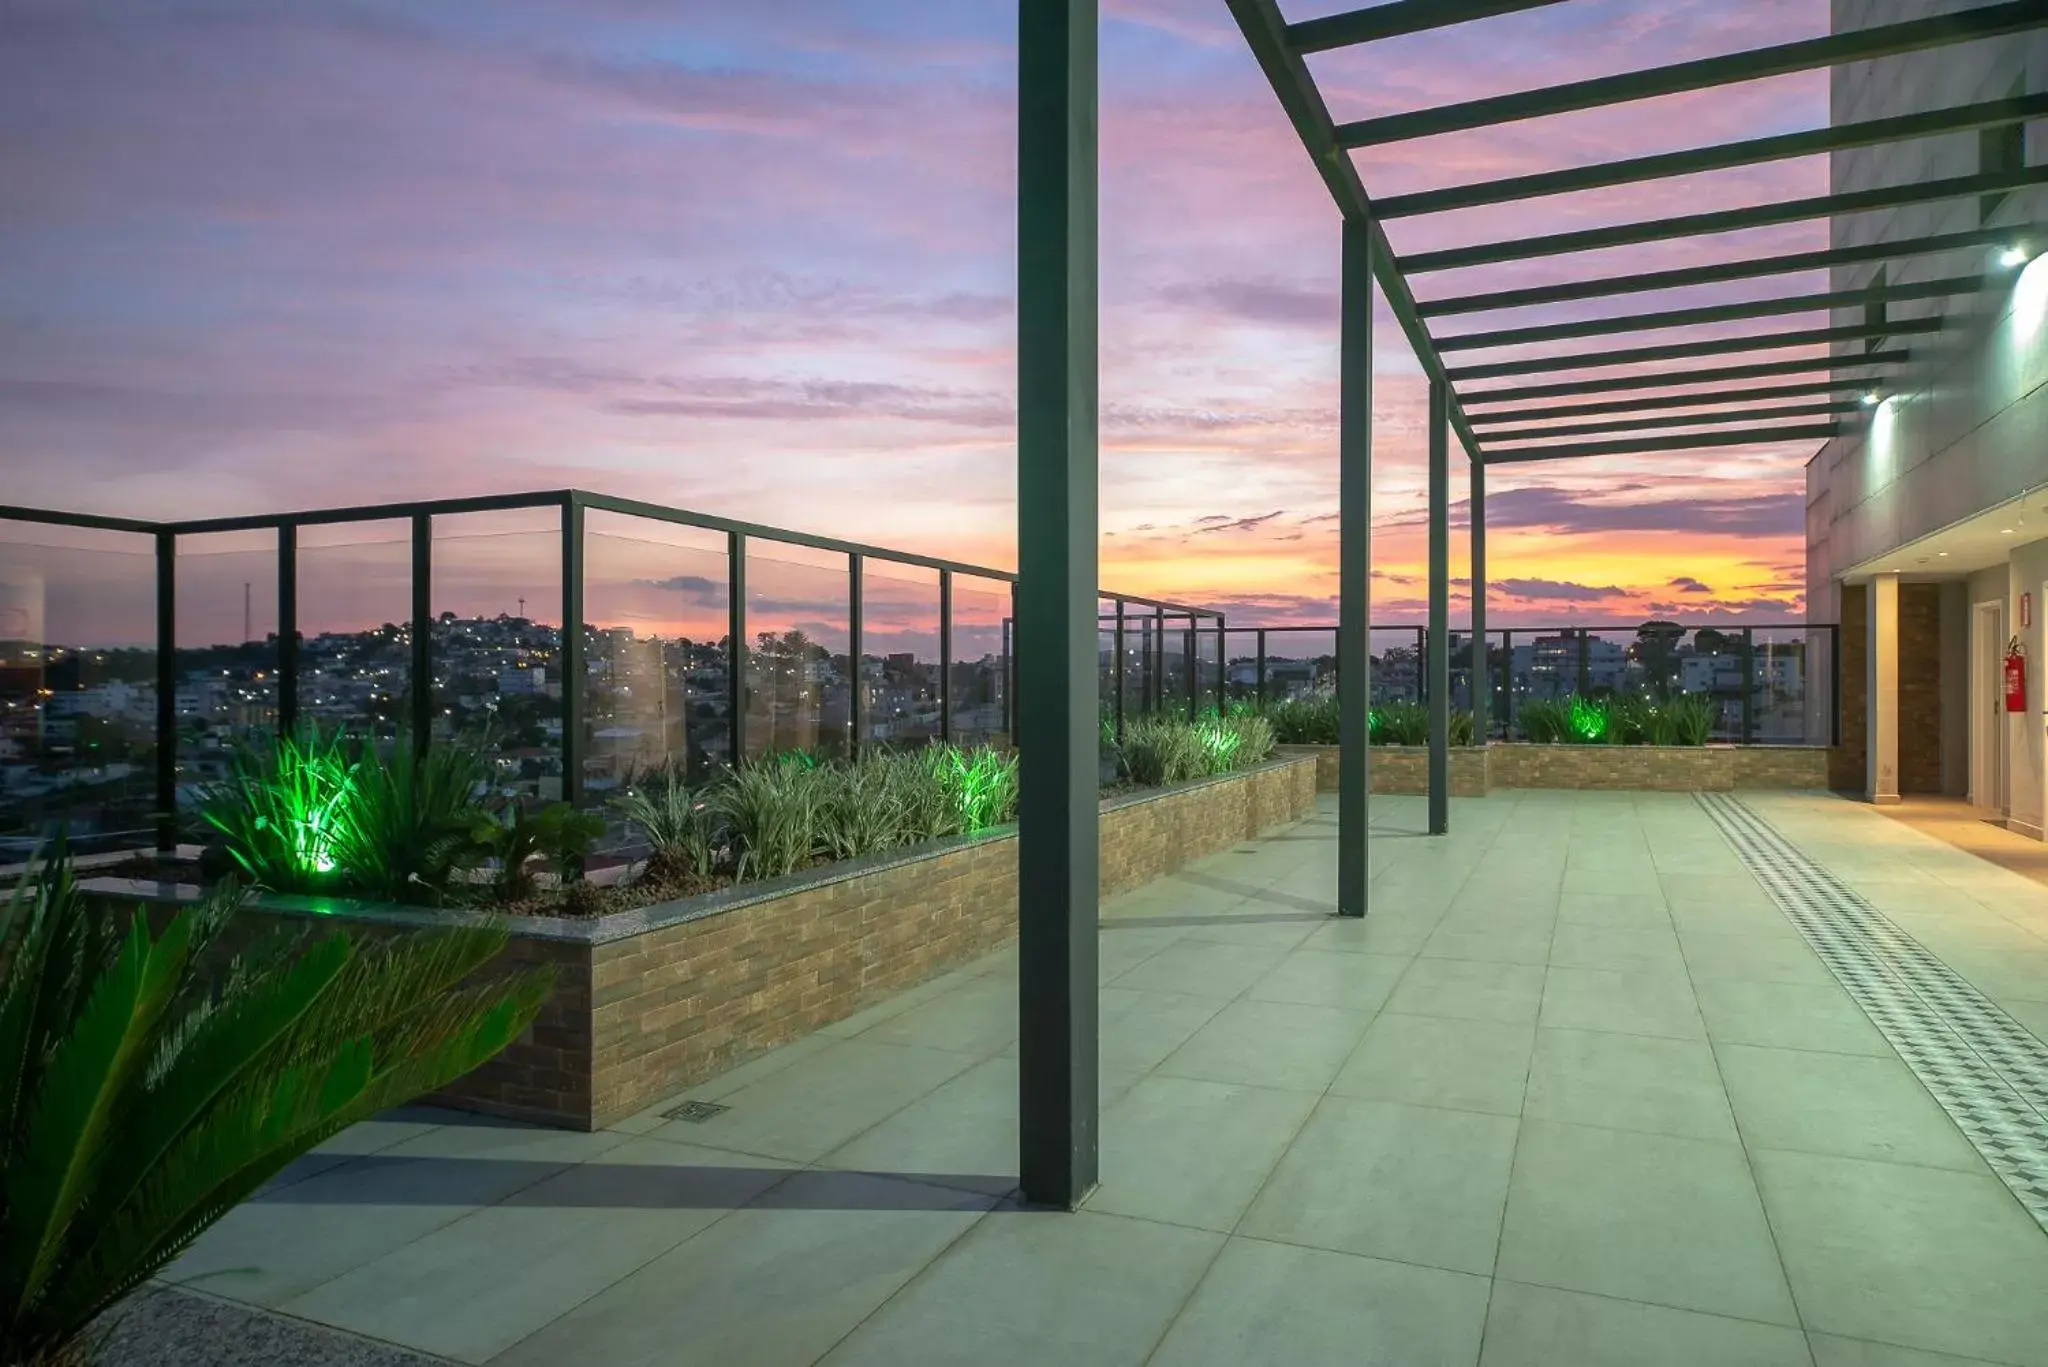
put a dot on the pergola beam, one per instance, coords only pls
(1748, 415)
(1756, 436)
(1717, 273)
(1658, 402)
(1721, 157)
(1724, 220)
(1663, 379)
(1265, 32)
(1396, 18)
(1713, 346)
(1715, 313)
(1884, 40)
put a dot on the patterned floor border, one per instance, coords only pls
(1986, 1070)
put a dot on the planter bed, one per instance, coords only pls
(1477, 770)
(654, 1000)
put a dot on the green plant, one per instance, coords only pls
(856, 810)
(1400, 723)
(1637, 719)
(280, 809)
(982, 783)
(1463, 728)
(412, 820)
(771, 807)
(146, 1088)
(516, 836)
(1254, 738)
(1159, 752)
(1690, 718)
(1591, 719)
(679, 823)
(1544, 721)
(1311, 720)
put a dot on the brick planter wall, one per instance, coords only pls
(1400, 769)
(652, 1001)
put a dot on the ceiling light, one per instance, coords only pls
(2005, 531)
(1942, 554)
(2013, 256)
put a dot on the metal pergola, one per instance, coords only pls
(1499, 410)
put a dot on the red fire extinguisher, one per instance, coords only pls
(2015, 677)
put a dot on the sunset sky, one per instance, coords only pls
(758, 259)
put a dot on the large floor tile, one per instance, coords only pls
(1314, 977)
(1644, 1217)
(476, 1287)
(1305, 1307)
(1190, 1152)
(1846, 1104)
(1374, 933)
(1832, 1351)
(1638, 908)
(1539, 1326)
(1628, 1082)
(1470, 990)
(1510, 943)
(777, 1283)
(1413, 1183)
(976, 1018)
(1270, 1044)
(1465, 1065)
(1945, 1261)
(1030, 1289)
(1753, 956)
(1787, 1016)
(813, 1106)
(1202, 968)
(1139, 1029)
(270, 1249)
(1624, 949)
(1623, 1003)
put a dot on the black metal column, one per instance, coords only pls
(1118, 666)
(1354, 559)
(575, 674)
(1439, 663)
(856, 702)
(1156, 704)
(1507, 685)
(945, 655)
(1057, 631)
(288, 629)
(166, 691)
(1191, 657)
(736, 647)
(1259, 677)
(1748, 686)
(1482, 678)
(422, 720)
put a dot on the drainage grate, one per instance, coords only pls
(1986, 1070)
(696, 1112)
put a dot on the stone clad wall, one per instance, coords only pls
(1400, 769)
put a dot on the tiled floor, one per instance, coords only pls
(1577, 1092)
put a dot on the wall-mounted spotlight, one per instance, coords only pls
(2013, 257)
(1870, 397)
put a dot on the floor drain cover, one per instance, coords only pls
(697, 1112)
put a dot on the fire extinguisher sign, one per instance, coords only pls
(2015, 677)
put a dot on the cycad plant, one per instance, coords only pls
(147, 1086)
(413, 819)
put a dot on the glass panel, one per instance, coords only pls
(497, 642)
(799, 691)
(900, 653)
(77, 687)
(1241, 665)
(355, 627)
(1781, 672)
(1710, 661)
(655, 608)
(1141, 655)
(226, 649)
(1176, 677)
(1208, 664)
(980, 663)
(1301, 661)
(1396, 663)
(1106, 675)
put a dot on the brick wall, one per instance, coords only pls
(1919, 688)
(1474, 772)
(1848, 763)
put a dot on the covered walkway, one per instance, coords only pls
(1579, 1090)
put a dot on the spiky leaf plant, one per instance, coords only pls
(1690, 718)
(146, 1087)
(680, 824)
(771, 808)
(413, 819)
(281, 809)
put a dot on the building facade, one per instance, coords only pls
(1927, 520)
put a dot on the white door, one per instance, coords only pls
(1987, 707)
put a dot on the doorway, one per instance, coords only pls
(1987, 708)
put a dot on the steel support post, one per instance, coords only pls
(1259, 675)
(1748, 686)
(856, 702)
(575, 668)
(1354, 562)
(422, 719)
(1482, 678)
(1439, 663)
(1117, 666)
(166, 690)
(287, 629)
(736, 647)
(945, 655)
(1057, 626)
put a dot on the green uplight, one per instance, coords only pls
(1589, 720)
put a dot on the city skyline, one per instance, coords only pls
(761, 265)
